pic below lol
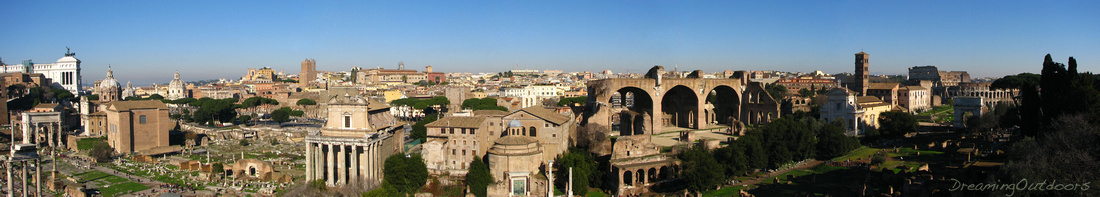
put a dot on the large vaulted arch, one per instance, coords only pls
(679, 106)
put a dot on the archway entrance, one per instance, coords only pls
(631, 109)
(725, 104)
(680, 107)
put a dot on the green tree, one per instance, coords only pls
(406, 174)
(218, 168)
(701, 172)
(832, 142)
(101, 151)
(482, 104)
(778, 92)
(584, 170)
(571, 100)
(806, 92)
(420, 131)
(306, 101)
(478, 178)
(733, 159)
(280, 116)
(156, 97)
(786, 140)
(1018, 81)
(385, 190)
(62, 94)
(243, 119)
(893, 124)
(243, 142)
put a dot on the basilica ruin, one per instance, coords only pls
(628, 112)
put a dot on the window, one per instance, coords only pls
(141, 119)
(452, 151)
(347, 121)
(463, 130)
(533, 132)
(474, 152)
(472, 131)
(452, 130)
(463, 152)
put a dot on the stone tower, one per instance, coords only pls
(862, 75)
(308, 73)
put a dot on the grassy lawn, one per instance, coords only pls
(725, 191)
(114, 179)
(87, 143)
(91, 175)
(819, 180)
(860, 153)
(122, 188)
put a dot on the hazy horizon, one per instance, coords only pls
(145, 42)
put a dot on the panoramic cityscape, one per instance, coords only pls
(563, 98)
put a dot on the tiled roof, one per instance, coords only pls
(882, 86)
(486, 112)
(458, 122)
(546, 114)
(144, 104)
(46, 105)
(870, 101)
(915, 88)
(516, 140)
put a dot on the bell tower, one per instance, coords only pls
(862, 75)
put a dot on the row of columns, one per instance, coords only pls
(23, 176)
(339, 163)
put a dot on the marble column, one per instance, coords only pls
(318, 161)
(309, 162)
(23, 178)
(331, 180)
(354, 163)
(38, 177)
(11, 188)
(341, 166)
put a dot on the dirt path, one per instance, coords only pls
(758, 179)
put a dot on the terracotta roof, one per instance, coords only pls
(98, 113)
(870, 101)
(516, 140)
(882, 86)
(46, 105)
(486, 112)
(915, 88)
(545, 114)
(458, 122)
(375, 105)
(144, 104)
(867, 99)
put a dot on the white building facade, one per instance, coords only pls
(65, 73)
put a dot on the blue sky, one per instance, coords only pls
(145, 41)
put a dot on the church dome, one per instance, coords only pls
(176, 82)
(515, 123)
(110, 81)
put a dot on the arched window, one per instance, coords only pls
(523, 131)
(533, 134)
